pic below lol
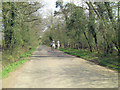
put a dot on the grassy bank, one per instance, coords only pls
(11, 67)
(109, 61)
(14, 65)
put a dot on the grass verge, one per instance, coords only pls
(109, 61)
(13, 66)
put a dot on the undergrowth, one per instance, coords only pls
(11, 67)
(14, 62)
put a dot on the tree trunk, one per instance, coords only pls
(91, 25)
(119, 28)
(88, 42)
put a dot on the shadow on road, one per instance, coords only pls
(52, 56)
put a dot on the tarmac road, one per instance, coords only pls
(48, 69)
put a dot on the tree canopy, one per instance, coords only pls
(96, 31)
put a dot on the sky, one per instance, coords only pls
(49, 5)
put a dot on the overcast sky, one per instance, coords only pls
(50, 5)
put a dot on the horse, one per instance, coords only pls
(58, 46)
(53, 46)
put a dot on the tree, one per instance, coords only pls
(96, 31)
(20, 28)
(119, 28)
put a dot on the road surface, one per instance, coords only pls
(48, 69)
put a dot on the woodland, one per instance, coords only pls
(91, 26)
